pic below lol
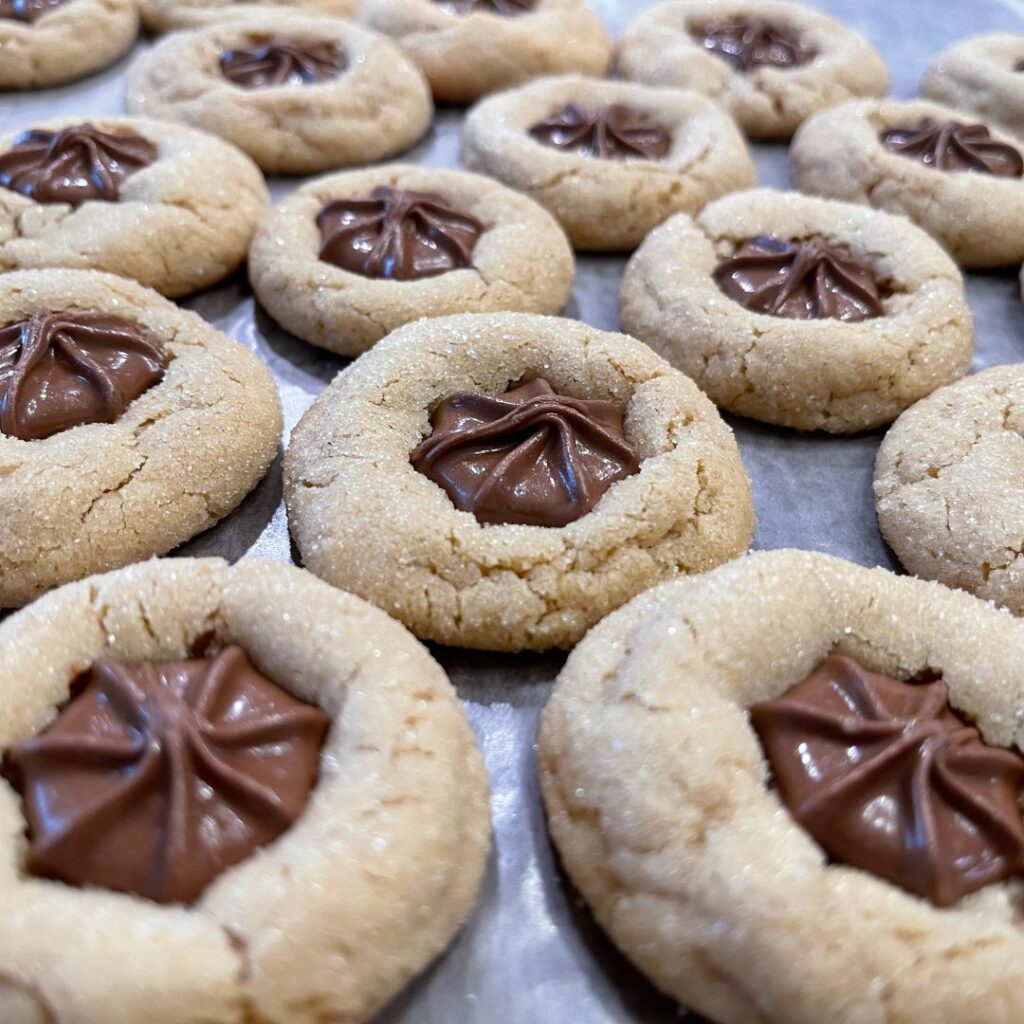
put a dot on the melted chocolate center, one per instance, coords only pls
(804, 280)
(528, 456)
(886, 778)
(161, 775)
(750, 43)
(611, 133)
(62, 370)
(953, 146)
(27, 10)
(397, 234)
(282, 61)
(74, 165)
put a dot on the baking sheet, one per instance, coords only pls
(530, 954)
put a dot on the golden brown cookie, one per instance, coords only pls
(164, 15)
(653, 488)
(146, 468)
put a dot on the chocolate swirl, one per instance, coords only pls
(161, 775)
(29, 11)
(74, 165)
(953, 146)
(529, 456)
(397, 234)
(504, 8)
(611, 133)
(62, 370)
(803, 280)
(888, 779)
(282, 61)
(750, 43)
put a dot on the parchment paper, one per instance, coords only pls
(530, 953)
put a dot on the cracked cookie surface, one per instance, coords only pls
(949, 486)
(660, 801)
(979, 218)
(981, 74)
(608, 204)
(378, 105)
(182, 223)
(659, 48)
(72, 40)
(180, 458)
(822, 374)
(164, 15)
(392, 843)
(466, 56)
(364, 519)
(521, 262)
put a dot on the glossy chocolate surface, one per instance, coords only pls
(887, 778)
(529, 456)
(158, 776)
(954, 146)
(504, 8)
(751, 43)
(397, 234)
(281, 60)
(802, 280)
(62, 370)
(616, 132)
(74, 165)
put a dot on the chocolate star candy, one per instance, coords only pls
(29, 11)
(397, 234)
(953, 146)
(802, 280)
(751, 43)
(74, 165)
(886, 778)
(161, 775)
(611, 133)
(61, 370)
(282, 61)
(529, 456)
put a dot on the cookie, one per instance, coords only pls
(164, 15)
(297, 94)
(331, 918)
(984, 74)
(611, 160)
(770, 64)
(800, 311)
(46, 42)
(170, 206)
(948, 486)
(127, 426)
(468, 48)
(959, 180)
(501, 482)
(670, 762)
(350, 257)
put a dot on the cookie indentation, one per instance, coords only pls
(529, 456)
(615, 132)
(62, 370)
(75, 165)
(809, 279)
(954, 146)
(750, 43)
(161, 775)
(397, 234)
(886, 778)
(281, 60)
